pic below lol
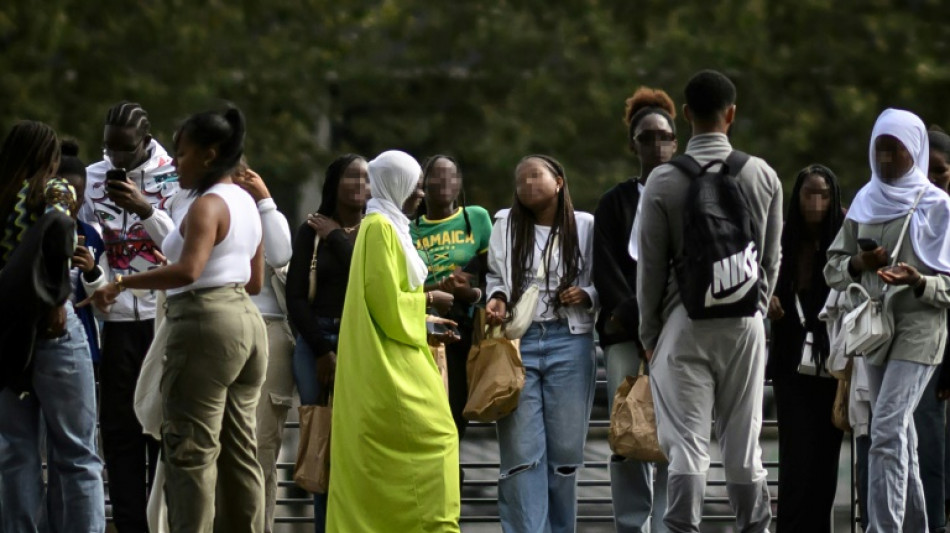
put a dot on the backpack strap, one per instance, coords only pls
(734, 163)
(687, 165)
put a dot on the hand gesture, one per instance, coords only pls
(870, 260)
(574, 296)
(321, 224)
(441, 301)
(102, 298)
(446, 337)
(900, 274)
(496, 310)
(326, 368)
(83, 260)
(127, 195)
(775, 309)
(251, 182)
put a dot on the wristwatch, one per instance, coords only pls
(118, 282)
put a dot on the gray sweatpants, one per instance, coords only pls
(699, 367)
(895, 492)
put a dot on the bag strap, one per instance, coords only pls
(732, 164)
(910, 213)
(313, 259)
(801, 313)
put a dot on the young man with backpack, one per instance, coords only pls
(709, 251)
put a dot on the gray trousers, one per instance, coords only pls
(895, 491)
(698, 367)
(639, 498)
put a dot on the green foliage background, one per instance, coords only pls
(486, 81)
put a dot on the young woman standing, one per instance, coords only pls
(651, 132)
(449, 236)
(216, 354)
(917, 299)
(317, 320)
(809, 443)
(542, 442)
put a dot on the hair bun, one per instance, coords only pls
(69, 148)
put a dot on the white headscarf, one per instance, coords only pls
(393, 176)
(879, 202)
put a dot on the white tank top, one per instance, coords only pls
(230, 260)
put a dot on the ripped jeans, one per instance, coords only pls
(542, 442)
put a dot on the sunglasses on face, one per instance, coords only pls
(654, 136)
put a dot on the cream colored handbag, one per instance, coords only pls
(523, 314)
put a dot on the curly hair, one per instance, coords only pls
(646, 101)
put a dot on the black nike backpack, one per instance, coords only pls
(718, 268)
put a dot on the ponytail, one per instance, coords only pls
(223, 131)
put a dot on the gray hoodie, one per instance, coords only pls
(661, 230)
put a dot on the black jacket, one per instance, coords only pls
(614, 271)
(34, 280)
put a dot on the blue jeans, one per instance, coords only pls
(635, 493)
(310, 391)
(929, 420)
(542, 442)
(64, 400)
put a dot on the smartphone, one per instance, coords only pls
(116, 174)
(436, 328)
(868, 244)
(81, 240)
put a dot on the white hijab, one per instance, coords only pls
(879, 202)
(393, 176)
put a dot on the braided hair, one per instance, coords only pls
(128, 115)
(427, 167)
(521, 224)
(30, 153)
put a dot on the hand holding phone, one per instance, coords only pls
(116, 174)
(868, 245)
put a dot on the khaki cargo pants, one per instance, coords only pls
(216, 358)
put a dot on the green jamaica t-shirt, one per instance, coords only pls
(445, 244)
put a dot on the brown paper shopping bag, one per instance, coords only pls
(312, 470)
(633, 421)
(495, 374)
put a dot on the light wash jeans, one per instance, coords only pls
(636, 494)
(895, 491)
(310, 391)
(64, 399)
(541, 443)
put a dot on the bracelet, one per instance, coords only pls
(920, 282)
(429, 298)
(119, 282)
(478, 295)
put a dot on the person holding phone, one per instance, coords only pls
(394, 448)
(450, 236)
(124, 201)
(916, 301)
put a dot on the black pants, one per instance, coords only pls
(130, 455)
(456, 355)
(808, 445)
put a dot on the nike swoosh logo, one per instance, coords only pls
(732, 298)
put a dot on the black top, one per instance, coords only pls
(788, 335)
(333, 271)
(614, 271)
